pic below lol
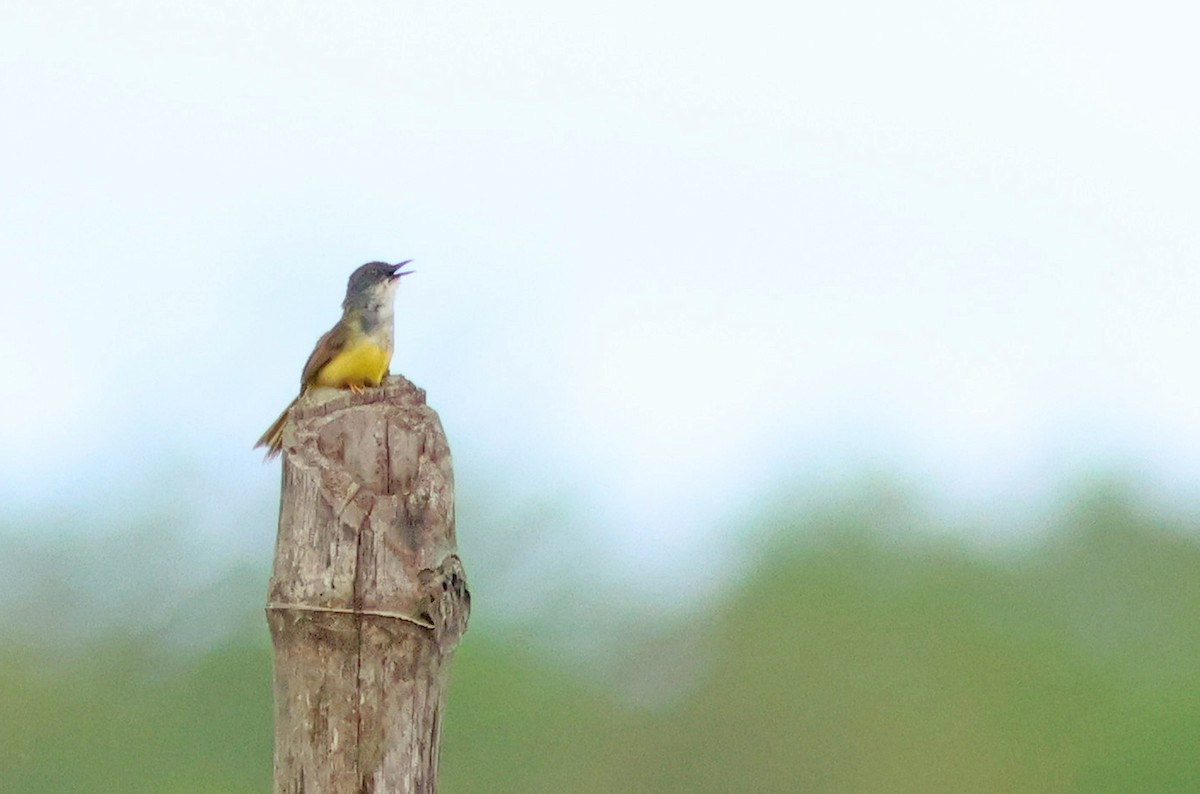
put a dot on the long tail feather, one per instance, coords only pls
(273, 438)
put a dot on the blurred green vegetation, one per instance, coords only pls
(861, 653)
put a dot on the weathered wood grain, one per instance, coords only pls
(368, 597)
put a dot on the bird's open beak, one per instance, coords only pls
(397, 273)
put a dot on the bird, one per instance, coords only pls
(357, 351)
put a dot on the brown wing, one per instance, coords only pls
(327, 347)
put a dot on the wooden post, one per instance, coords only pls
(368, 597)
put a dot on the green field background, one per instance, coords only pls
(860, 646)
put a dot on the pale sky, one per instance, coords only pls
(669, 256)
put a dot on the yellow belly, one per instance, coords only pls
(363, 364)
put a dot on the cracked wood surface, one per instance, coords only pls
(368, 597)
